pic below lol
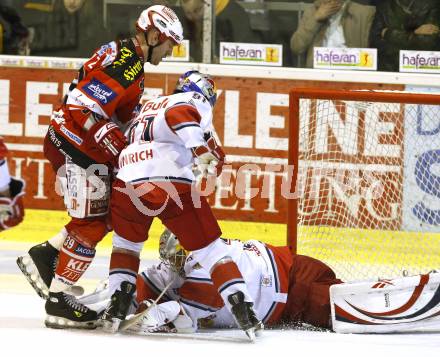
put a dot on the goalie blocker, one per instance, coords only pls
(385, 306)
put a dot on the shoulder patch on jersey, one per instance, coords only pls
(110, 50)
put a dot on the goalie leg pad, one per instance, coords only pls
(403, 304)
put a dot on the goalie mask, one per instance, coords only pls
(171, 252)
(194, 81)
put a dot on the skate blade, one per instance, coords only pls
(30, 271)
(254, 332)
(111, 326)
(57, 322)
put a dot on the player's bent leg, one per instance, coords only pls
(124, 266)
(385, 306)
(130, 231)
(230, 284)
(199, 232)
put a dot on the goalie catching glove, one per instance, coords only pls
(105, 140)
(11, 208)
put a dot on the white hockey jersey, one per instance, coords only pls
(265, 270)
(161, 136)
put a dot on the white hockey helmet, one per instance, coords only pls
(164, 20)
(171, 252)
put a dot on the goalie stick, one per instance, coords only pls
(124, 325)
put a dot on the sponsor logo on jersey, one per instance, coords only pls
(131, 73)
(71, 135)
(126, 53)
(85, 251)
(100, 91)
(266, 281)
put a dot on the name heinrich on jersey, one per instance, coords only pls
(133, 158)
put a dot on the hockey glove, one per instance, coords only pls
(207, 162)
(108, 140)
(218, 152)
(11, 208)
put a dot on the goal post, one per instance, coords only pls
(367, 180)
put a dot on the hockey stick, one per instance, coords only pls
(213, 336)
(131, 321)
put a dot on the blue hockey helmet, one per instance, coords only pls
(194, 81)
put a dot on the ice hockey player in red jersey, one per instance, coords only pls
(155, 179)
(83, 143)
(11, 194)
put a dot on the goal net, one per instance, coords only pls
(367, 181)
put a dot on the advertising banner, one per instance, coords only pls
(251, 118)
(421, 195)
(180, 53)
(251, 54)
(419, 61)
(362, 59)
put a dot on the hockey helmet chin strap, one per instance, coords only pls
(150, 47)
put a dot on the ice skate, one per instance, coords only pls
(38, 266)
(245, 316)
(64, 311)
(118, 306)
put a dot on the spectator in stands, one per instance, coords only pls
(15, 37)
(73, 5)
(404, 25)
(332, 23)
(231, 25)
(64, 28)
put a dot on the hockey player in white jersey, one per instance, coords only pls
(283, 286)
(286, 288)
(156, 179)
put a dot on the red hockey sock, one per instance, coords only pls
(73, 261)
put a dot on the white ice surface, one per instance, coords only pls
(22, 333)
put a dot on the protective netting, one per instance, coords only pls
(369, 187)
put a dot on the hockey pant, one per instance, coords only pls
(194, 225)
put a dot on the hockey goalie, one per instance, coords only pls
(287, 290)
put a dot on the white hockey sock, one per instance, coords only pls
(57, 240)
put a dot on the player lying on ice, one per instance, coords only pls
(286, 289)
